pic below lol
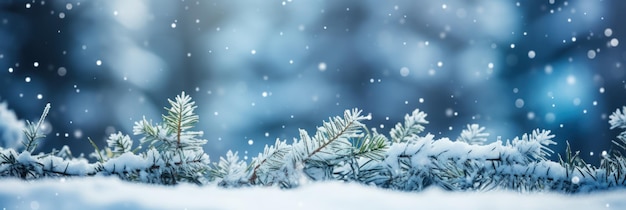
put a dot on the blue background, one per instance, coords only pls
(259, 70)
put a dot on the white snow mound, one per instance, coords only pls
(111, 193)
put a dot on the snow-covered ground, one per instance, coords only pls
(111, 193)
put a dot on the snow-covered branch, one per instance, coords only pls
(342, 149)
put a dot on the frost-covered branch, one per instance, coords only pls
(180, 117)
(614, 163)
(271, 160)
(372, 146)
(618, 120)
(32, 131)
(119, 143)
(413, 125)
(474, 134)
(332, 140)
(535, 146)
(174, 153)
(174, 133)
(231, 171)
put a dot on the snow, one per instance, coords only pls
(11, 129)
(112, 193)
(54, 163)
(125, 161)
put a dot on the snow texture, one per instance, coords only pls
(112, 193)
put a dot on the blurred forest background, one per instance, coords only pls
(259, 70)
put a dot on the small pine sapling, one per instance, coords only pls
(26, 165)
(174, 152)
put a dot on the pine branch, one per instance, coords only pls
(180, 116)
(535, 145)
(119, 144)
(618, 119)
(230, 170)
(272, 159)
(413, 125)
(175, 152)
(372, 146)
(332, 144)
(27, 166)
(334, 135)
(155, 135)
(473, 135)
(32, 131)
(173, 134)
